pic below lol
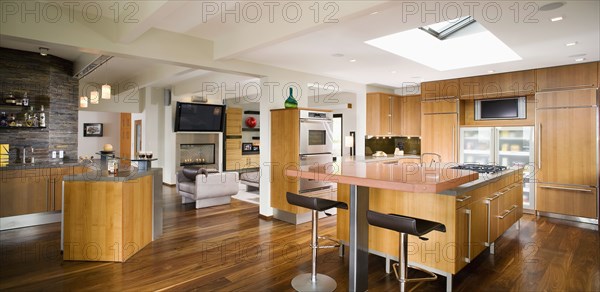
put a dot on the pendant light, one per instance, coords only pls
(105, 91)
(106, 87)
(83, 101)
(94, 97)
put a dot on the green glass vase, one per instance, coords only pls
(291, 102)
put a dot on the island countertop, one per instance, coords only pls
(102, 175)
(411, 178)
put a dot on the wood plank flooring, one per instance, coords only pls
(228, 248)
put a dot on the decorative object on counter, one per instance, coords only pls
(291, 102)
(379, 154)
(92, 130)
(246, 146)
(399, 151)
(251, 122)
(108, 147)
(255, 148)
(112, 166)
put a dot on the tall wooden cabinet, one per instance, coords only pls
(439, 129)
(233, 138)
(566, 134)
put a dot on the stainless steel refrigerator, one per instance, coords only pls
(507, 146)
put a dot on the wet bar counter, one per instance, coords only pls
(111, 217)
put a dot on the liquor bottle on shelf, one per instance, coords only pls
(3, 120)
(42, 117)
(25, 99)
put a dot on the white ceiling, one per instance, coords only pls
(310, 46)
(540, 44)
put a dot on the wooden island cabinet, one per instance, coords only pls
(475, 215)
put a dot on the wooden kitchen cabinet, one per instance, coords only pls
(410, 115)
(505, 208)
(577, 201)
(250, 161)
(471, 227)
(55, 182)
(498, 85)
(233, 150)
(567, 146)
(233, 126)
(439, 134)
(567, 77)
(24, 191)
(442, 89)
(383, 114)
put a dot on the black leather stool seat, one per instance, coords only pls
(403, 224)
(317, 204)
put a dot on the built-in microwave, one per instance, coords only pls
(501, 108)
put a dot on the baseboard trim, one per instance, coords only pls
(265, 217)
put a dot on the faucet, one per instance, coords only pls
(439, 157)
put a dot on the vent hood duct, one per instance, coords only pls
(88, 66)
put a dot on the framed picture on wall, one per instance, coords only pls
(246, 146)
(92, 130)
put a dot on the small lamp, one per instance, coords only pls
(349, 142)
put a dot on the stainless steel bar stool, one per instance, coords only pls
(314, 281)
(405, 225)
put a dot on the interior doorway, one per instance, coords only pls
(138, 137)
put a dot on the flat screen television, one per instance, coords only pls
(501, 109)
(197, 117)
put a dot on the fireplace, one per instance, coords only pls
(196, 154)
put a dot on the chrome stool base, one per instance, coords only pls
(323, 283)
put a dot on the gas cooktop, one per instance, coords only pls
(481, 168)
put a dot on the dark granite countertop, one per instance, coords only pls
(102, 175)
(484, 179)
(47, 164)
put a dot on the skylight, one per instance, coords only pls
(444, 29)
(466, 45)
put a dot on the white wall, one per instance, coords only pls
(89, 146)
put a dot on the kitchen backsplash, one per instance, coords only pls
(412, 146)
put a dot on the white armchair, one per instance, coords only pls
(207, 189)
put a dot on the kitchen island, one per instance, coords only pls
(475, 209)
(110, 217)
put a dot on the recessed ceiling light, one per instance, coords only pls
(579, 59)
(44, 51)
(352, 60)
(337, 55)
(394, 72)
(577, 55)
(555, 19)
(551, 6)
(374, 12)
(491, 71)
(570, 44)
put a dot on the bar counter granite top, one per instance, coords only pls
(412, 177)
(103, 175)
(45, 164)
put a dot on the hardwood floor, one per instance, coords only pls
(227, 248)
